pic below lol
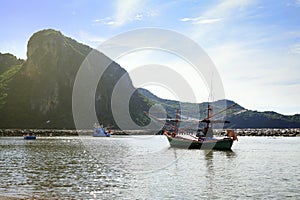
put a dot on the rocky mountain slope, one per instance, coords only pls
(40, 89)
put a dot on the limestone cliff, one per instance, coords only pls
(42, 89)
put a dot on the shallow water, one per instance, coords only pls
(144, 167)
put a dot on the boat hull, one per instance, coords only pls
(101, 135)
(30, 137)
(217, 144)
(100, 132)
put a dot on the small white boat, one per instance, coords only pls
(99, 131)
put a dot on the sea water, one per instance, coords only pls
(145, 167)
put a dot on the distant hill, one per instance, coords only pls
(40, 88)
(8, 61)
(238, 116)
(9, 66)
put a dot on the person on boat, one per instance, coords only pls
(173, 134)
(205, 130)
(161, 132)
(231, 134)
(166, 132)
(208, 132)
(199, 133)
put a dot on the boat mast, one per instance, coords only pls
(176, 122)
(207, 120)
(209, 109)
(209, 115)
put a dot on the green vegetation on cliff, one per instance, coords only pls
(9, 66)
(8, 61)
(40, 89)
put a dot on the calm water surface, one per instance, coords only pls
(144, 167)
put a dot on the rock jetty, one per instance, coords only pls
(289, 132)
(50, 132)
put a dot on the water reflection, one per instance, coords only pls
(62, 168)
(54, 168)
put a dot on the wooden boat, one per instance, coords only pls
(203, 139)
(204, 143)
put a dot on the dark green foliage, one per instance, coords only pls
(9, 66)
(5, 78)
(8, 61)
(137, 105)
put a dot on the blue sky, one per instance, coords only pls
(255, 44)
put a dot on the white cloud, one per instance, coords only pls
(293, 34)
(128, 11)
(224, 10)
(201, 20)
(228, 7)
(105, 21)
(295, 48)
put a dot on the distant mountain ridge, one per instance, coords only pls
(238, 116)
(39, 89)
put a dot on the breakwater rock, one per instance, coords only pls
(42, 132)
(287, 132)
(51, 132)
(292, 132)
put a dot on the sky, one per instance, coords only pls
(254, 44)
